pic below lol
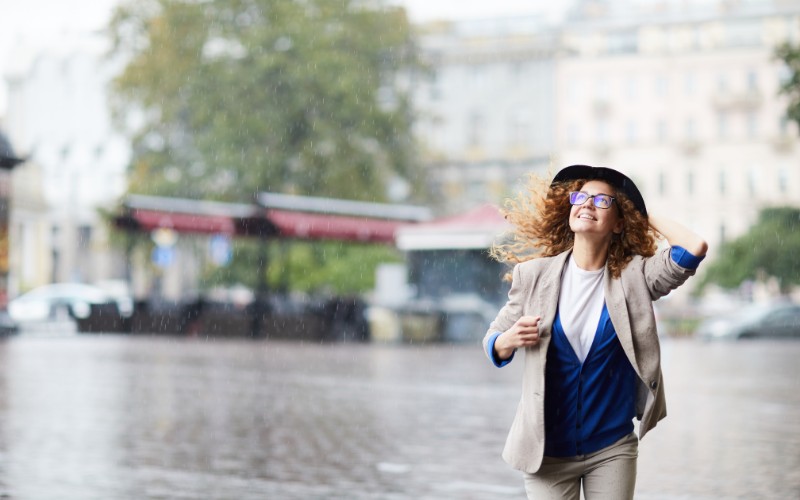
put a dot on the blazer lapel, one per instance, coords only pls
(549, 290)
(618, 312)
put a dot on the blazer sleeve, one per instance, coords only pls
(509, 314)
(662, 274)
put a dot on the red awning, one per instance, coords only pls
(303, 225)
(475, 229)
(149, 220)
(298, 217)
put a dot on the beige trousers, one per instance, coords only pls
(608, 474)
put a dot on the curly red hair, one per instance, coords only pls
(540, 220)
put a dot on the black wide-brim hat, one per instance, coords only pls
(618, 180)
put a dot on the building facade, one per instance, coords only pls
(484, 107)
(58, 117)
(681, 96)
(684, 98)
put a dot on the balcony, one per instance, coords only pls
(690, 147)
(748, 100)
(784, 143)
(601, 108)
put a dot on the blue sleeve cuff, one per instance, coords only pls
(498, 362)
(683, 258)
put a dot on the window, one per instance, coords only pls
(783, 180)
(519, 129)
(690, 183)
(784, 125)
(752, 180)
(601, 88)
(661, 130)
(752, 125)
(722, 83)
(690, 129)
(84, 237)
(474, 129)
(661, 86)
(784, 74)
(722, 125)
(518, 70)
(623, 42)
(630, 132)
(602, 132)
(743, 33)
(722, 182)
(477, 75)
(573, 134)
(433, 85)
(752, 80)
(573, 90)
(688, 84)
(630, 87)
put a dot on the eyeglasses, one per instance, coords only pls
(599, 200)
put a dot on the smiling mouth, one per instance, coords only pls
(586, 217)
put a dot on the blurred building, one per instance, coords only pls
(682, 96)
(58, 116)
(484, 106)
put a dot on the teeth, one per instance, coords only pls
(585, 216)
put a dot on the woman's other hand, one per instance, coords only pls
(524, 333)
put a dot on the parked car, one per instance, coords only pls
(760, 320)
(7, 325)
(62, 300)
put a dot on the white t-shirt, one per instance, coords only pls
(580, 304)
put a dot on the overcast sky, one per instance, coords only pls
(40, 23)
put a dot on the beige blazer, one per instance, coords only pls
(534, 292)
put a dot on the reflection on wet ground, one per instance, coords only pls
(115, 417)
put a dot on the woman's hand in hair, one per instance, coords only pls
(524, 333)
(679, 235)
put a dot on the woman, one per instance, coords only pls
(580, 305)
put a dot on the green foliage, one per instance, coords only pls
(304, 266)
(233, 97)
(242, 96)
(770, 248)
(790, 55)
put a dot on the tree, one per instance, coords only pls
(790, 55)
(233, 97)
(770, 248)
(240, 96)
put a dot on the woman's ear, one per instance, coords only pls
(619, 226)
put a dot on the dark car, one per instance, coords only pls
(7, 325)
(778, 320)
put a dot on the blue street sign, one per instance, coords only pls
(219, 249)
(163, 256)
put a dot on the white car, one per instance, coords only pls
(61, 300)
(778, 320)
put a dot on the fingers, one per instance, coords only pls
(526, 336)
(524, 333)
(530, 339)
(527, 325)
(528, 321)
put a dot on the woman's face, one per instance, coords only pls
(589, 220)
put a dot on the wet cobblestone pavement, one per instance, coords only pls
(115, 417)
